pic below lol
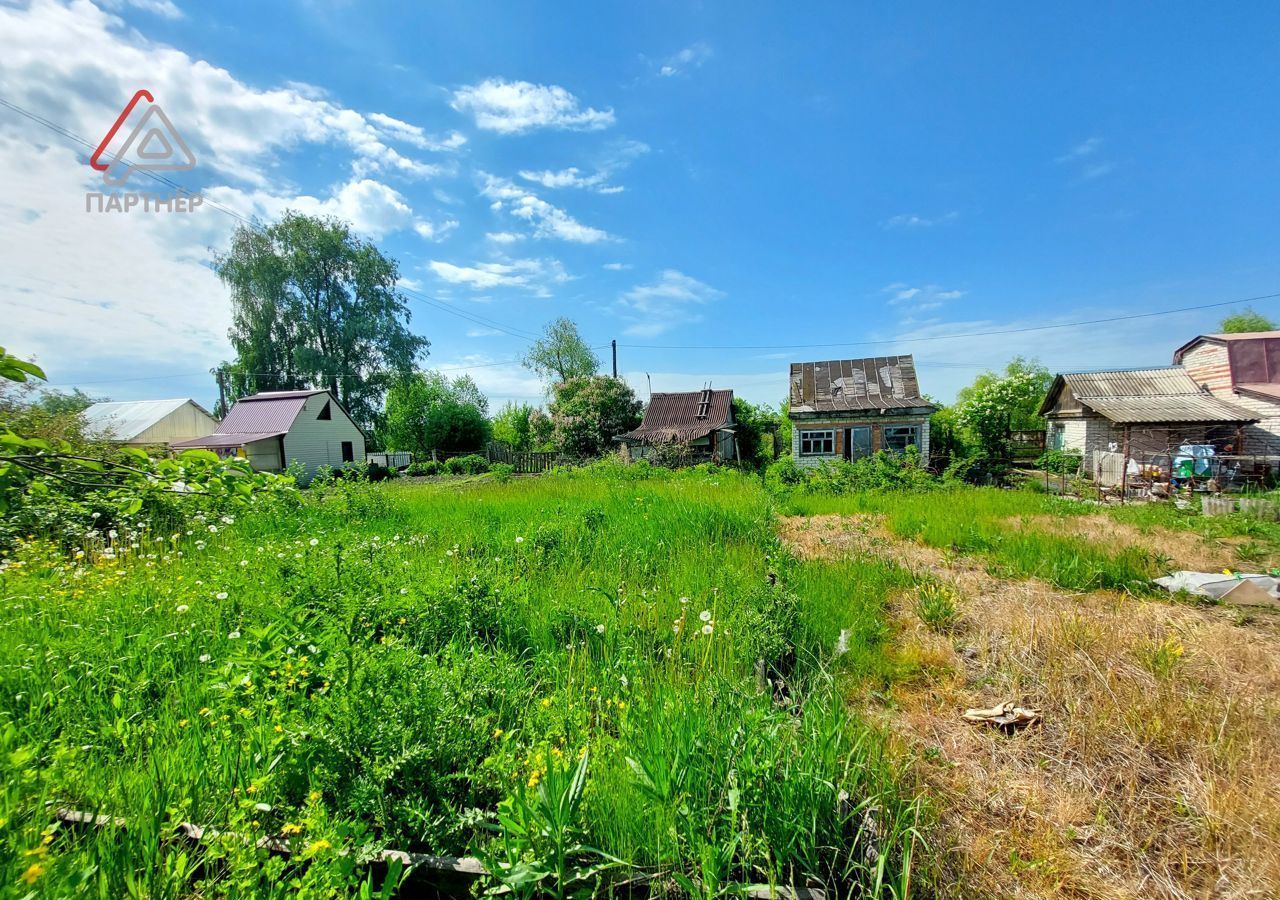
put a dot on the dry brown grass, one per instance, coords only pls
(1155, 771)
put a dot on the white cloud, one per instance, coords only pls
(1083, 158)
(500, 380)
(548, 221)
(911, 220)
(503, 237)
(671, 299)
(1087, 147)
(513, 107)
(571, 177)
(483, 332)
(919, 299)
(691, 57)
(415, 134)
(163, 8)
(538, 276)
(374, 209)
(616, 266)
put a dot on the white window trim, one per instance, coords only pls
(829, 434)
(884, 437)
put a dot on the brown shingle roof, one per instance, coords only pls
(848, 385)
(675, 417)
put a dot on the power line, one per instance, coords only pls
(949, 337)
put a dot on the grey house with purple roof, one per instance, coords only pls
(273, 430)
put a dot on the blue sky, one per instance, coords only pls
(713, 185)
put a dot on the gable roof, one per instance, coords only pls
(1253, 360)
(258, 417)
(681, 417)
(1145, 396)
(125, 420)
(847, 385)
(1225, 339)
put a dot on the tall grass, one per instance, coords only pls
(413, 667)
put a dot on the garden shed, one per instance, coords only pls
(146, 423)
(702, 421)
(849, 408)
(275, 429)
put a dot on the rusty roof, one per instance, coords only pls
(850, 385)
(682, 416)
(1146, 396)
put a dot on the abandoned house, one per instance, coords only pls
(1243, 369)
(275, 429)
(701, 421)
(849, 408)
(1138, 413)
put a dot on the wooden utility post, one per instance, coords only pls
(1124, 467)
(614, 344)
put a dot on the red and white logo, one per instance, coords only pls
(152, 145)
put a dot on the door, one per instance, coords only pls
(348, 451)
(857, 442)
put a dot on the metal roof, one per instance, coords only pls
(846, 385)
(125, 420)
(238, 439)
(675, 417)
(267, 413)
(1146, 396)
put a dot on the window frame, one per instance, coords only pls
(884, 437)
(809, 436)
(347, 450)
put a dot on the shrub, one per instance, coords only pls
(471, 464)
(783, 473)
(1060, 462)
(502, 471)
(937, 607)
(881, 471)
(425, 468)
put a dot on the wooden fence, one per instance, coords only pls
(525, 462)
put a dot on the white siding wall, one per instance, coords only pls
(184, 423)
(264, 456)
(318, 442)
(1208, 364)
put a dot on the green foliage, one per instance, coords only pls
(1060, 462)
(561, 354)
(997, 403)
(588, 412)
(13, 368)
(514, 426)
(937, 606)
(424, 468)
(313, 305)
(1246, 320)
(428, 411)
(783, 473)
(757, 427)
(471, 464)
(502, 471)
(878, 472)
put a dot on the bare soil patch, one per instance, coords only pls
(1155, 771)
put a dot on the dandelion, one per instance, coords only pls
(315, 542)
(705, 615)
(205, 657)
(600, 628)
(221, 595)
(497, 732)
(684, 601)
(404, 590)
(546, 702)
(707, 629)
(228, 520)
(35, 870)
(243, 563)
(235, 635)
(182, 723)
(519, 539)
(182, 607)
(318, 846)
(213, 529)
(200, 545)
(314, 796)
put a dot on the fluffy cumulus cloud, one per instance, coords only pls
(96, 292)
(514, 107)
(538, 276)
(548, 221)
(671, 299)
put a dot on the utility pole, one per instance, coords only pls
(222, 390)
(615, 357)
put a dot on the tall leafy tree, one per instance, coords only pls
(513, 425)
(428, 411)
(561, 354)
(588, 412)
(314, 305)
(1246, 320)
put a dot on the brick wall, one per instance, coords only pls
(1208, 364)
(838, 425)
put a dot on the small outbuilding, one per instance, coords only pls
(275, 429)
(849, 408)
(148, 423)
(1243, 369)
(701, 420)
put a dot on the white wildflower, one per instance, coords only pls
(213, 529)
(221, 595)
(705, 615)
(182, 607)
(404, 590)
(243, 563)
(519, 539)
(235, 635)
(707, 629)
(600, 628)
(205, 657)
(314, 542)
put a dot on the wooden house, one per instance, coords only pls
(700, 420)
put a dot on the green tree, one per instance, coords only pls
(753, 423)
(997, 403)
(561, 354)
(589, 411)
(1246, 320)
(512, 425)
(785, 426)
(313, 305)
(428, 411)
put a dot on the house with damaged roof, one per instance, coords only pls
(849, 408)
(702, 421)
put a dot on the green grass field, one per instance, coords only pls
(428, 668)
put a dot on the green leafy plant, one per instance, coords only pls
(937, 606)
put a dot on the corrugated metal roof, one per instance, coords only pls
(846, 385)
(268, 413)
(1146, 396)
(226, 440)
(1175, 408)
(674, 417)
(125, 420)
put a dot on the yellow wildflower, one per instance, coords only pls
(33, 873)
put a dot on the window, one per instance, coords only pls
(898, 438)
(325, 413)
(1057, 435)
(817, 443)
(348, 452)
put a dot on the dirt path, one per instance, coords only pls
(1155, 771)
